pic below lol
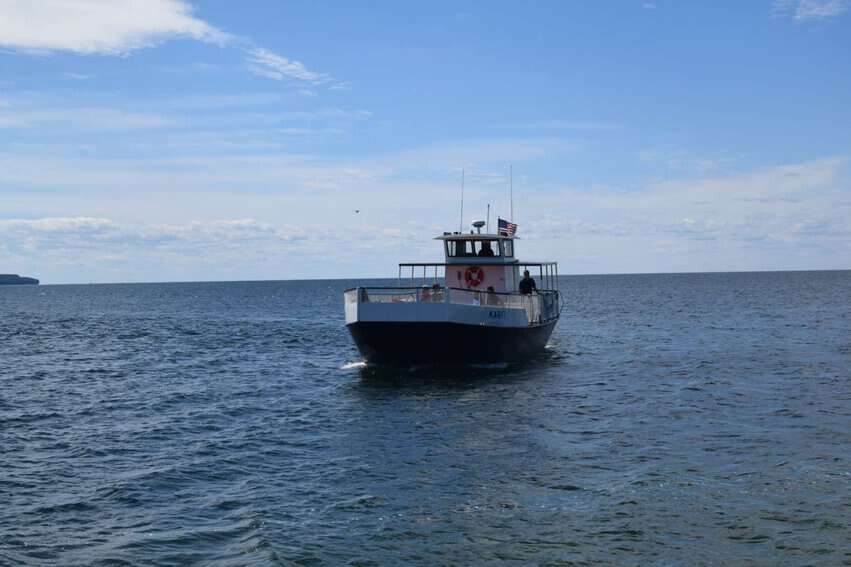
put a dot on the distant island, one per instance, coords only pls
(15, 279)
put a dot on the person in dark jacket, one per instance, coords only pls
(527, 284)
(486, 249)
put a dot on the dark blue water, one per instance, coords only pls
(674, 420)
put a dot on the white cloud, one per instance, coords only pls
(809, 10)
(784, 217)
(115, 27)
(75, 235)
(218, 232)
(99, 249)
(704, 217)
(265, 63)
(59, 224)
(118, 27)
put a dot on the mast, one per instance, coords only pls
(461, 224)
(511, 189)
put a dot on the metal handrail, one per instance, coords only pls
(547, 272)
(414, 287)
(541, 307)
(514, 262)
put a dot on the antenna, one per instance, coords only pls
(461, 224)
(488, 223)
(511, 189)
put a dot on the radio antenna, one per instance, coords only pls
(511, 189)
(461, 224)
(488, 223)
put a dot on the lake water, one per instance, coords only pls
(673, 420)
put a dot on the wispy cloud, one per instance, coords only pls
(119, 27)
(85, 118)
(112, 250)
(810, 10)
(83, 233)
(578, 125)
(767, 218)
(78, 76)
(111, 28)
(265, 63)
(681, 163)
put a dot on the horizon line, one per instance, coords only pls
(41, 284)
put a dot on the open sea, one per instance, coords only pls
(690, 419)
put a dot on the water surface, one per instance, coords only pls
(674, 419)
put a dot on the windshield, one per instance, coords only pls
(478, 248)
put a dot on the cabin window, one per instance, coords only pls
(477, 248)
(508, 245)
(486, 248)
(459, 248)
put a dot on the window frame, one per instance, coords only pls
(472, 251)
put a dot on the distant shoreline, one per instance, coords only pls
(15, 279)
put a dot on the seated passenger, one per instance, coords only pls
(486, 249)
(492, 298)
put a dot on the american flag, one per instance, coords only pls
(505, 228)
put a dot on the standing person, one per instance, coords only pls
(527, 284)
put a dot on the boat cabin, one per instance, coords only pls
(485, 248)
(480, 261)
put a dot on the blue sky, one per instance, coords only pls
(167, 141)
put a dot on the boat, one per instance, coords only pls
(15, 279)
(467, 309)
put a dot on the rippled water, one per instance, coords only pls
(674, 419)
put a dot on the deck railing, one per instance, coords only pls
(540, 307)
(427, 273)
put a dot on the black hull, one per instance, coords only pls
(453, 343)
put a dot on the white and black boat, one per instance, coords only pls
(468, 308)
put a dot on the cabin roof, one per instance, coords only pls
(458, 236)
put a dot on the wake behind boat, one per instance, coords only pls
(476, 306)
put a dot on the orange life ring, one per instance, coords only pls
(474, 276)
